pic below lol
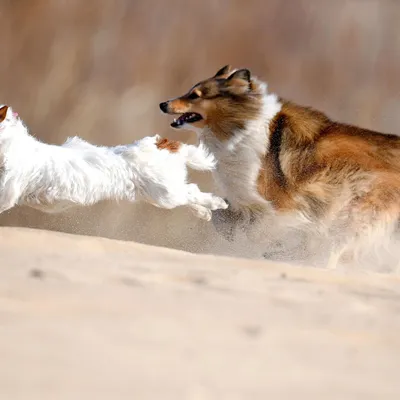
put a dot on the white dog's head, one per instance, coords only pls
(7, 117)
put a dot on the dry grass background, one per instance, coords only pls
(99, 68)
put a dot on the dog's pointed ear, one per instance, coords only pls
(224, 72)
(3, 113)
(239, 82)
(242, 74)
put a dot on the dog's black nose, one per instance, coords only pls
(164, 106)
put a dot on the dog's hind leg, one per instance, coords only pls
(8, 197)
(225, 222)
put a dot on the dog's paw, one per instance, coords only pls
(206, 215)
(218, 203)
(202, 213)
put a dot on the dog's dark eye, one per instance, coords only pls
(193, 96)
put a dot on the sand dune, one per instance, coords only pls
(92, 318)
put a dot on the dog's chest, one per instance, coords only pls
(239, 163)
(236, 176)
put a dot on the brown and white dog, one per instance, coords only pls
(293, 165)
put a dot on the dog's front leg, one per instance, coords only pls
(226, 221)
(203, 203)
(201, 212)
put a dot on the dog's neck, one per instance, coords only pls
(16, 131)
(239, 157)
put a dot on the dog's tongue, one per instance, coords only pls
(186, 118)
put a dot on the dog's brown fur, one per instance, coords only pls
(311, 157)
(171, 145)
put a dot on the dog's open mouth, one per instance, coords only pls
(186, 118)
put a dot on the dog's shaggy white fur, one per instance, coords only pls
(52, 178)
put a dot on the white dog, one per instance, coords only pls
(53, 178)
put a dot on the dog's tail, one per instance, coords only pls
(198, 157)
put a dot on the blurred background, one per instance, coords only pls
(99, 68)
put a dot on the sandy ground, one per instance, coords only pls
(92, 318)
